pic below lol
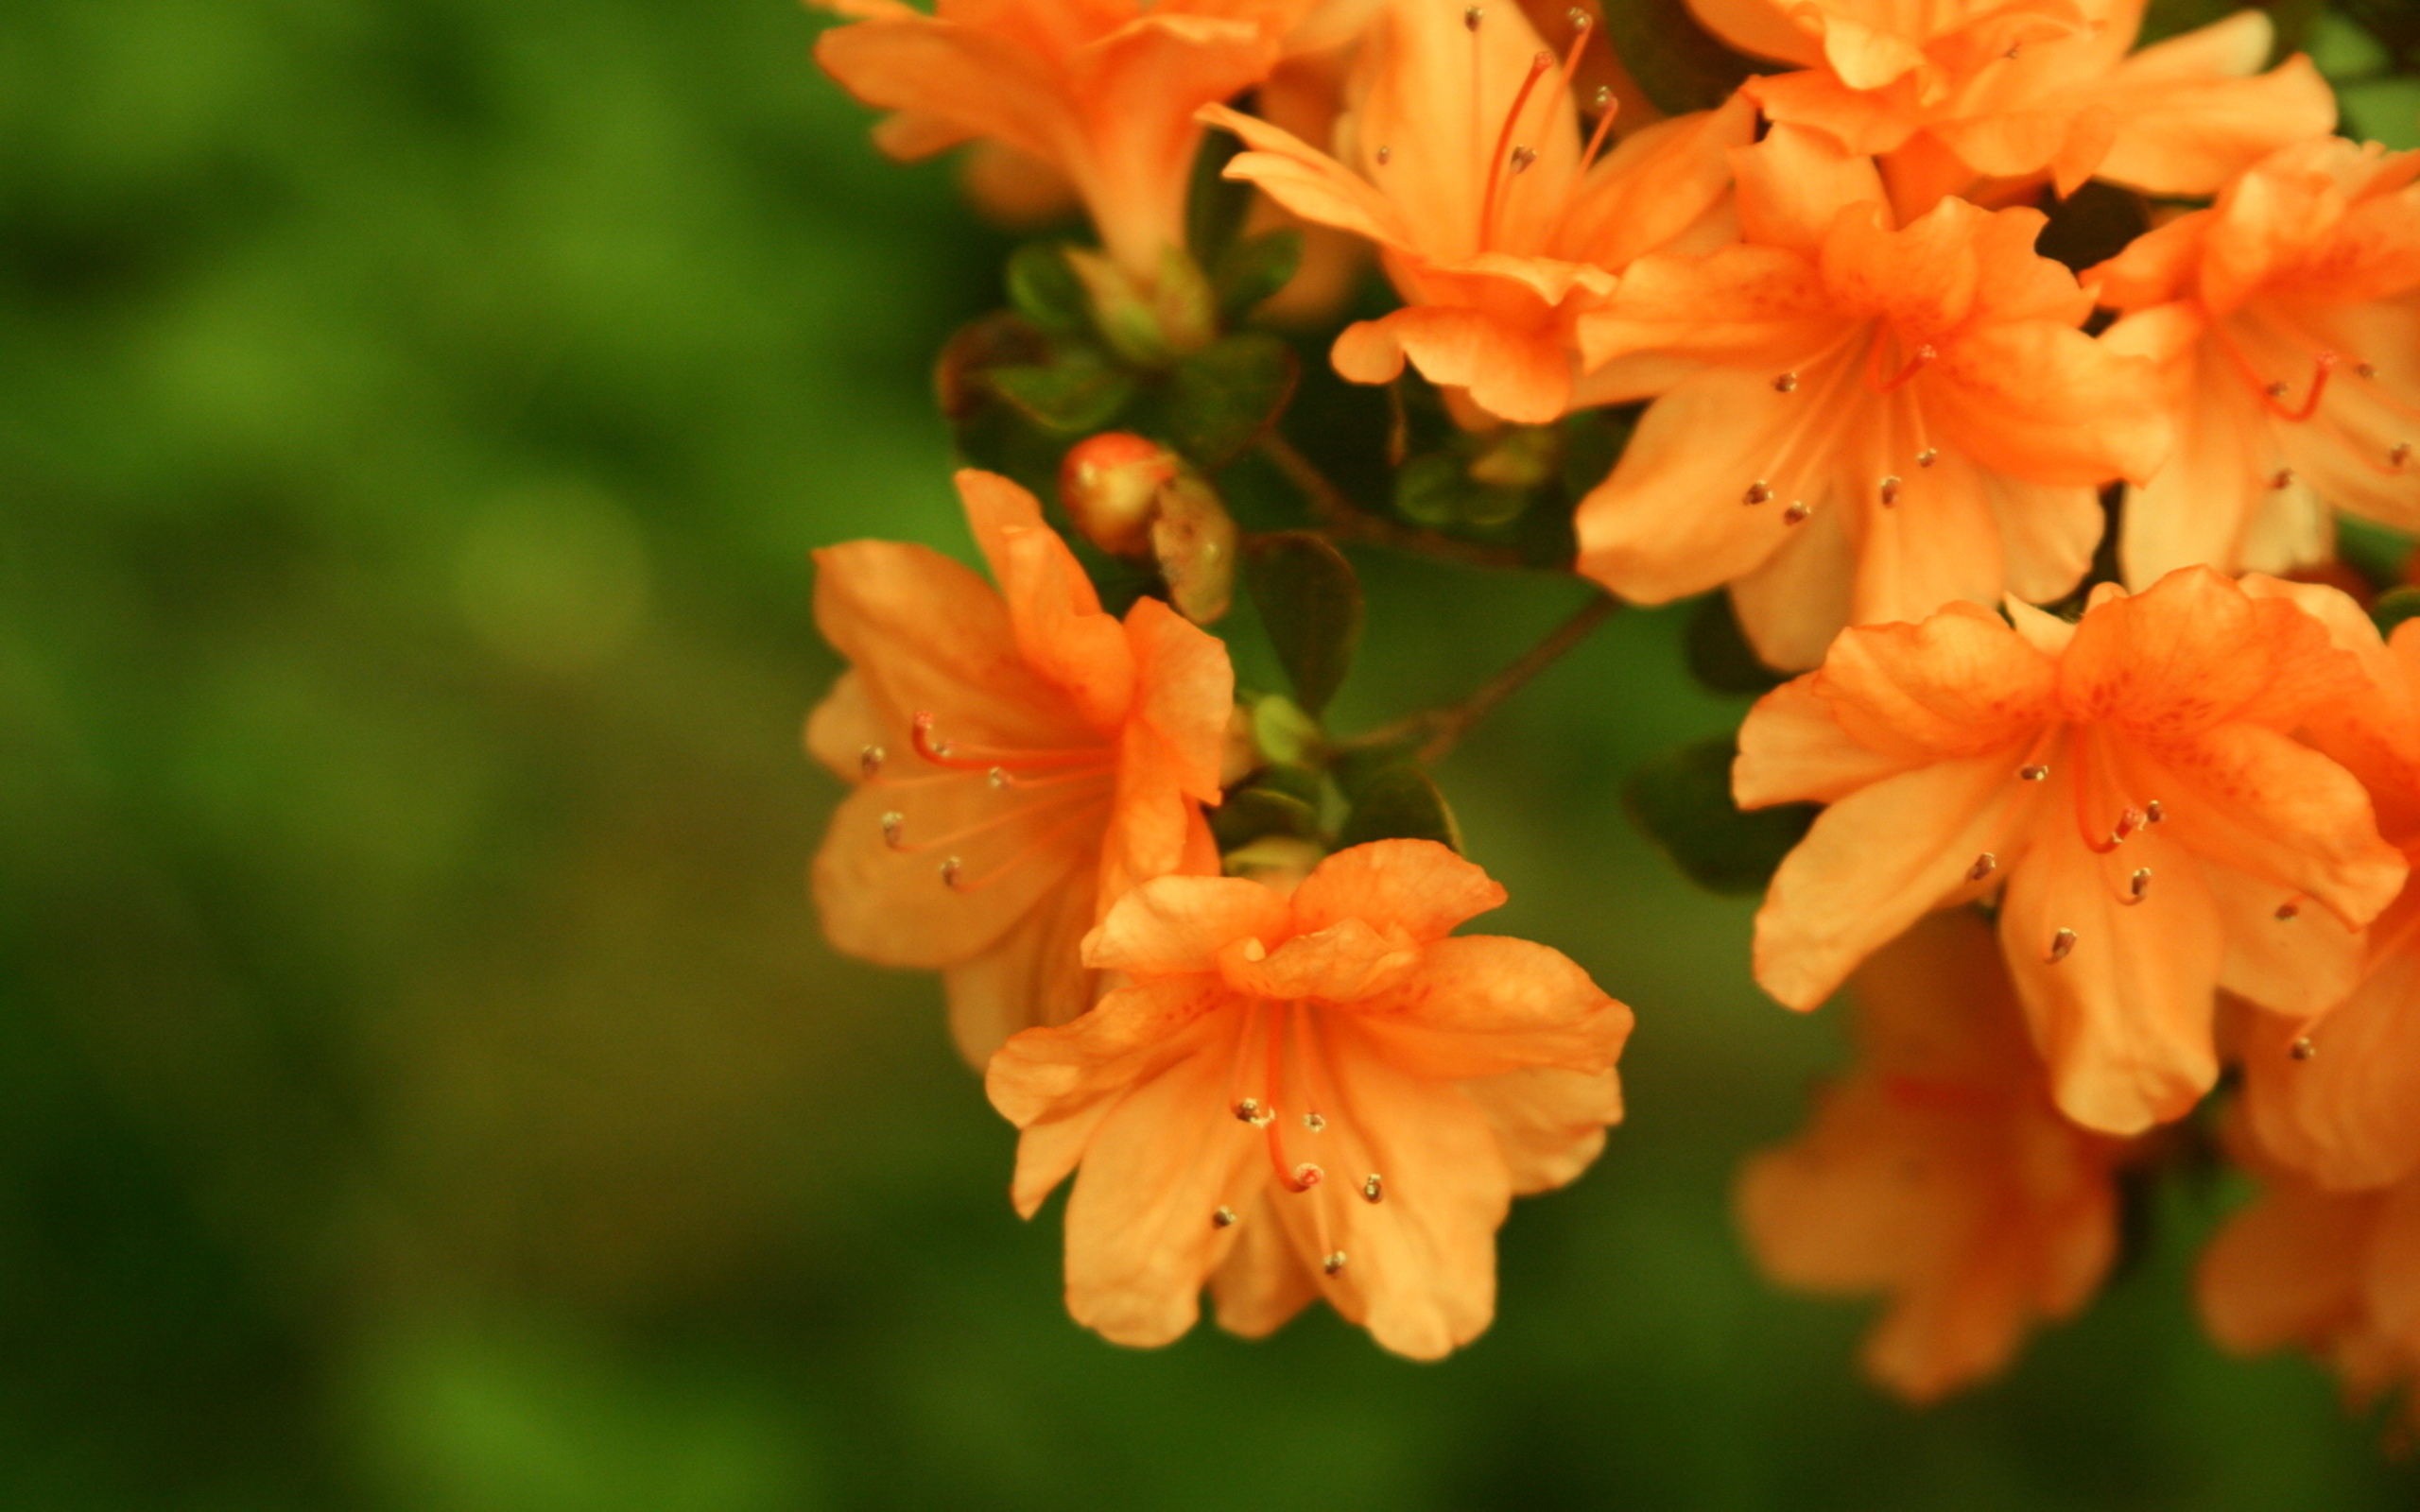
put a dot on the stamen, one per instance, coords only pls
(2398, 454)
(1603, 101)
(1891, 491)
(1538, 66)
(1223, 1218)
(2129, 821)
(2035, 773)
(1247, 1111)
(2365, 370)
(2288, 911)
(950, 869)
(1314, 1123)
(997, 778)
(1795, 514)
(982, 758)
(1928, 458)
(1372, 1188)
(1308, 1176)
(2302, 1049)
(2138, 886)
(1471, 18)
(2153, 812)
(1786, 383)
(1760, 492)
(870, 761)
(2283, 478)
(1925, 356)
(1386, 155)
(1334, 1263)
(1984, 866)
(2062, 945)
(1522, 157)
(894, 825)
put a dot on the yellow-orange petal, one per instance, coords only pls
(1513, 375)
(1549, 1122)
(1171, 925)
(1483, 1005)
(1418, 887)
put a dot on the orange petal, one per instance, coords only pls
(1756, 306)
(1795, 183)
(2348, 1114)
(2049, 405)
(1655, 186)
(1264, 1281)
(1793, 751)
(1308, 182)
(1172, 925)
(2290, 965)
(1035, 975)
(1874, 863)
(1957, 684)
(1549, 1122)
(1418, 887)
(2286, 1270)
(1052, 607)
(1790, 607)
(1483, 1005)
(1513, 375)
(1343, 963)
(982, 84)
(1759, 26)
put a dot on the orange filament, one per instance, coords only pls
(982, 758)
(1538, 66)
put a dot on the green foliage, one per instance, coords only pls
(1680, 64)
(1310, 602)
(1077, 393)
(1681, 800)
(1252, 268)
(1400, 802)
(2091, 225)
(1221, 399)
(1215, 205)
(2393, 607)
(1718, 654)
(1043, 288)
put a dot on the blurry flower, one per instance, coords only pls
(1460, 158)
(1103, 91)
(1023, 758)
(1874, 421)
(2336, 1274)
(1981, 91)
(2131, 782)
(2286, 319)
(1938, 1172)
(1320, 1095)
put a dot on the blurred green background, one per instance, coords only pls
(422, 1083)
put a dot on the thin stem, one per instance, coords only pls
(1341, 518)
(1439, 731)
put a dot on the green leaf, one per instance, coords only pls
(1682, 799)
(2376, 552)
(1282, 733)
(1252, 268)
(1401, 803)
(1720, 656)
(2393, 607)
(1077, 393)
(1223, 398)
(1438, 491)
(1215, 205)
(1254, 812)
(1310, 601)
(1680, 64)
(1043, 288)
(2091, 225)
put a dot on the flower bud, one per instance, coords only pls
(1111, 485)
(1150, 325)
(1194, 542)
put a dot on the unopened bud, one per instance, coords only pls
(1194, 542)
(1111, 486)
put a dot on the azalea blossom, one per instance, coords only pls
(1460, 157)
(2335, 1098)
(1306, 1097)
(2286, 319)
(1985, 91)
(1874, 420)
(2127, 788)
(1021, 758)
(1104, 92)
(2334, 1273)
(1938, 1172)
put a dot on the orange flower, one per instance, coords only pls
(2338, 1099)
(2286, 322)
(2127, 786)
(2013, 93)
(1497, 226)
(1103, 91)
(1938, 1173)
(1021, 759)
(1879, 420)
(2338, 1274)
(1320, 1095)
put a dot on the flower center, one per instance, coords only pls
(2301, 378)
(1281, 1085)
(1029, 800)
(1511, 157)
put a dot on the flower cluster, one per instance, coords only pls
(1995, 386)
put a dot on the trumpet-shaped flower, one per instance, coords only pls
(1981, 92)
(1320, 1095)
(1879, 420)
(1939, 1173)
(2127, 788)
(1103, 91)
(2337, 1099)
(2334, 1273)
(1461, 160)
(2286, 319)
(1022, 760)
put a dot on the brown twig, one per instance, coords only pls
(1339, 517)
(1439, 730)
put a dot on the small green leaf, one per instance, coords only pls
(1680, 64)
(1253, 269)
(1221, 399)
(1310, 600)
(1720, 656)
(2393, 607)
(1215, 205)
(1438, 491)
(1255, 812)
(1043, 288)
(1078, 391)
(2375, 551)
(1282, 733)
(1401, 803)
(1682, 799)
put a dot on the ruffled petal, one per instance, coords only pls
(1169, 926)
(2287, 1270)
(1483, 1005)
(1513, 375)
(1417, 887)
(1550, 1123)
(1792, 749)
(1035, 975)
